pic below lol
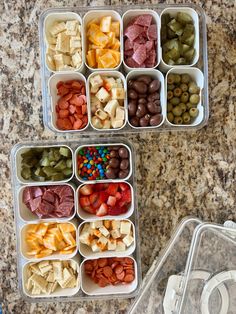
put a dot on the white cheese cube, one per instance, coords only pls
(125, 227)
(96, 224)
(128, 240)
(117, 93)
(95, 247)
(106, 124)
(101, 114)
(110, 82)
(119, 83)
(97, 233)
(117, 123)
(85, 234)
(111, 106)
(104, 231)
(57, 28)
(67, 60)
(115, 233)
(120, 113)
(102, 242)
(105, 24)
(111, 245)
(120, 246)
(103, 95)
(94, 90)
(96, 81)
(115, 224)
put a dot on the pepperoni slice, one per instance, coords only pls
(129, 278)
(121, 276)
(129, 260)
(102, 262)
(118, 269)
(107, 270)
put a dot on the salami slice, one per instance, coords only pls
(140, 55)
(152, 32)
(131, 63)
(144, 20)
(149, 45)
(133, 31)
(128, 44)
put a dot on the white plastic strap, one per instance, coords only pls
(217, 282)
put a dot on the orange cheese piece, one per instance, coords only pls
(103, 42)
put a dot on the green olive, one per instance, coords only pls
(169, 94)
(175, 101)
(189, 105)
(178, 120)
(194, 112)
(170, 117)
(170, 87)
(170, 79)
(177, 78)
(184, 87)
(177, 92)
(185, 78)
(183, 106)
(184, 97)
(194, 99)
(177, 111)
(169, 107)
(193, 88)
(186, 118)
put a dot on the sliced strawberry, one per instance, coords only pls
(118, 195)
(89, 209)
(93, 197)
(126, 196)
(111, 201)
(86, 189)
(124, 186)
(116, 210)
(103, 196)
(102, 211)
(84, 201)
(99, 187)
(112, 188)
(97, 198)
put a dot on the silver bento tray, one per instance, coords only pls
(120, 13)
(24, 218)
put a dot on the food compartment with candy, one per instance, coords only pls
(103, 238)
(63, 36)
(51, 278)
(103, 162)
(68, 93)
(46, 202)
(107, 99)
(44, 164)
(102, 39)
(55, 239)
(141, 32)
(110, 275)
(105, 200)
(184, 96)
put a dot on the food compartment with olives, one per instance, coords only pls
(179, 37)
(103, 163)
(183, 92)
(146, 98)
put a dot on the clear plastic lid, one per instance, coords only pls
(195, 274)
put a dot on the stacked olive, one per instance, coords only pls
(182, 99)
(144, 108)
(177, 38)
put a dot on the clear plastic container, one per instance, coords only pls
(201, 63)
(21, 224)
(196, 273)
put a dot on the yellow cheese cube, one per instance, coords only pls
(115, 27)
(108, 61)
(68, 238)
(112, 38)
(91, 58)
(66, 227)
(105, 24)
(44, 253)
(116, 55)
(49, 242)
(42, 229)
(116, 44)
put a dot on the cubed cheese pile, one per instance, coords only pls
(48, 276)
(107, 235)
(64, 46)
(45, 239)
(107, 102)
(103, 42)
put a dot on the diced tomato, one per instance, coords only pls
(126, 196)
(118, 195)
(124, 186)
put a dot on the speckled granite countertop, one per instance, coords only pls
(178, 174)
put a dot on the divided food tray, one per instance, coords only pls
(199, 62)
(23, 219)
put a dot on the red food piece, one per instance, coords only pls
(37, 191)
(124, 186)
(131, 63)
(129, 53)
(140, 40)
(111, 201)
(144, 20)
(118, 195)
(87, 189)
(140, 55)
(102, 211)
(49, 197)
(35, 203)
(100, 187)
(84, 201)
(117, 210)
(133, 31)
(152, 32)
(128, 44)
(149, 45)
(112, 188)
(27, 195)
